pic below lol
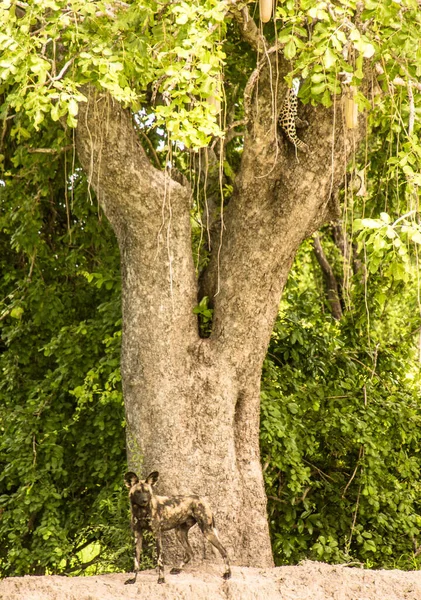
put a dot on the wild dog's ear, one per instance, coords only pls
(152, 478)
(130, 479)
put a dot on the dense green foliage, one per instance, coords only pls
(340, 410)
(341, 428)
(178, 49)
(340, 401)
(61, 421)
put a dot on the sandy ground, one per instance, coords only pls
(308, 581)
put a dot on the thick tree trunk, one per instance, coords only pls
(193, 404)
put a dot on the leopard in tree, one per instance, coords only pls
(288, 119)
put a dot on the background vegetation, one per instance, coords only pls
(340, 429)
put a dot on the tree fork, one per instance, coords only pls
(192, 404)
(180, 395)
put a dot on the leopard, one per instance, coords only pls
(289, 121)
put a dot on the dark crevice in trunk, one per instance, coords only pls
(204, 312)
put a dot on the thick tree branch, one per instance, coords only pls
(106, 142)
(332, 289)
(280, 198)
(248, 28)
(150, 214)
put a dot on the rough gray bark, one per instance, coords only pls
(192, 404)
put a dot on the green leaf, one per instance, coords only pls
(290, 49)
(369, 546)
(372, 223)
(17, 312)
(329, 58)
(318, 77)
(327, 99)
(416, 237)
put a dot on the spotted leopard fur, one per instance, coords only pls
(289, 121)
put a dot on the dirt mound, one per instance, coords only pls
(308, 581)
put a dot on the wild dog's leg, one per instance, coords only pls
(206, 522)
(161, 578)
(138, 552)
(211, 534)
(181, 533)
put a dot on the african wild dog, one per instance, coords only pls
(150, 512)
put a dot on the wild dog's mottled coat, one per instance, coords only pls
(161, 513)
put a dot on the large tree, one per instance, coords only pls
(192, 398)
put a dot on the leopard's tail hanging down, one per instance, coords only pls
(288, 118)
